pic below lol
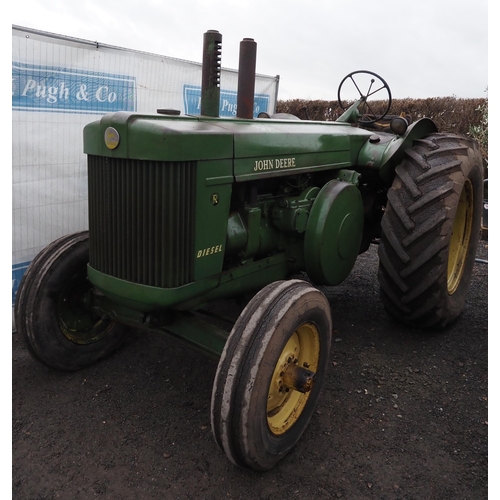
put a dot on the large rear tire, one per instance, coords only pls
(430, 231)
(52, 312)
(270, 374)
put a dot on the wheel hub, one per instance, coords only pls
(293, 379)
(76, 320)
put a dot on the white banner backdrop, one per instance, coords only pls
(59, 84)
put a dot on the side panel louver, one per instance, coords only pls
(141, 220)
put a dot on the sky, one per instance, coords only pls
(429, 48)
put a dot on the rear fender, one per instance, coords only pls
(383, 152)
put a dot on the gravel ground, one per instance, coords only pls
(403, 415)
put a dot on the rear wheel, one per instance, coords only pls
(52, 310)
(270, 374)
(430, 231)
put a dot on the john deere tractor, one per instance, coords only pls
(187, 210)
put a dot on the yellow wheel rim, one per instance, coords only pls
(460, 238)
(284, 405)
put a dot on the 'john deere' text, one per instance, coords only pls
(274, 164)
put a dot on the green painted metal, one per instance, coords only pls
(334, 232)
(213, 197)
(237, 236)
(185, 326)
(159, 138)
(199, 334)
(256, 146)
(231, 283)
(266, 199)
(147, 298)
(291, 213)
(244, 279)
(386, 153)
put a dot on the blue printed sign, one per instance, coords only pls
(17, 273)
(44, 88)
(228, 102)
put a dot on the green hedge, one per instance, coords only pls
(450, 114)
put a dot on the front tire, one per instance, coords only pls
(430, 231)
(52, 312)
(270, 374)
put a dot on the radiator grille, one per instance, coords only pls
(141, 220)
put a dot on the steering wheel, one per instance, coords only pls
(373, 84)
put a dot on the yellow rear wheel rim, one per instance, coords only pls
(460, 238)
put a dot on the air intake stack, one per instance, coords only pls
(210, 76)
(246, 78)
(211, 73)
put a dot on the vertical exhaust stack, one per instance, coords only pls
(210, 73)
(246, 78)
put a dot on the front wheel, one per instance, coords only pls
(270, 374)
(430, 231)
(52, 311)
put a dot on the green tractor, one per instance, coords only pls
(188, 210)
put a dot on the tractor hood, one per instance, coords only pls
(259, 148)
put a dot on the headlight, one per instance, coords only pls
(111, 138)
